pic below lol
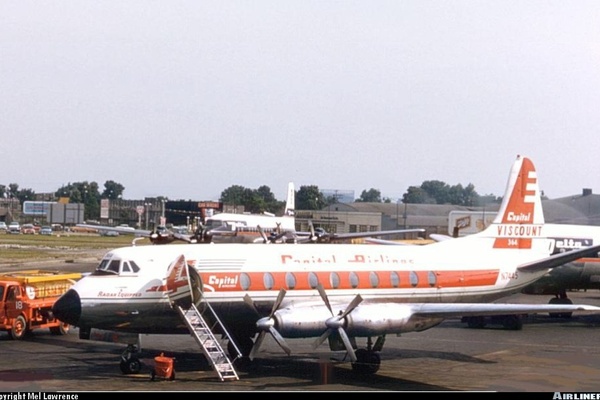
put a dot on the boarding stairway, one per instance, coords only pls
(209, 344)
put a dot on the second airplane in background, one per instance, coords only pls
(248, 228)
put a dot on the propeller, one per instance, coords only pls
(263, 235)
(267, 324)
(336, 322)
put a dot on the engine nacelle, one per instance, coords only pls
(365, 320)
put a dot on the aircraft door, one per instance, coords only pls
(184, 285)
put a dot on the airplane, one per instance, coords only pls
(337, 293)
(248, 228)
(221, 227)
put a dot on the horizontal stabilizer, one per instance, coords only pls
(559, 259)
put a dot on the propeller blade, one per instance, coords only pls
(277, 303)
(248, 300)
(266, 325)
(321, 338)
(280, 340)
(262, 234)
(356, 301)
(347, 344)
(324, 297)
(257, 344)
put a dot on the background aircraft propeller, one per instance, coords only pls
(267, 324)
(336, 323)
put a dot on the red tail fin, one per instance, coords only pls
(521, 216)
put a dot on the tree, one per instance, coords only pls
(310, 198)
(83, 192)
(416, 195)
(370, 196)
(112, 190)
(254, 201)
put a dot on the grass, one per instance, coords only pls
(42, 247)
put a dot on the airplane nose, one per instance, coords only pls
(68, 308)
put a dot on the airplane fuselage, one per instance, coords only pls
(139, 302)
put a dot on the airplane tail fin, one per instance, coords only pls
(290, 204)
(521, 216)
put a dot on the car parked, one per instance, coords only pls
(46, 230)
(3, 226)
(28, 229)
(14, 227)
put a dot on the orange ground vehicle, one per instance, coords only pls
(26, 299)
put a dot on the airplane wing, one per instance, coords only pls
(320, 235)
(559, 259)
(455, 310)
(434, 238)
(161, 236)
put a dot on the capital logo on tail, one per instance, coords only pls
(178, 282)
(521, 217)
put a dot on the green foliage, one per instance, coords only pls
(112, 190)
(310, 198)
(370, 196)
(254, 201)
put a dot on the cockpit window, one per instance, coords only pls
(134, 266)
(126, 268)
(116, 266)
(113, 266)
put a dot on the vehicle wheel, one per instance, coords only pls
(131, 366)
(62, 329)
(19, 328)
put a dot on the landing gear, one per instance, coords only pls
(561, 298)
(368, 360)
(130, 364)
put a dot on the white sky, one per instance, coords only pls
(186, 98)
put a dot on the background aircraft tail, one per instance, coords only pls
(521, 216)
(290, 203)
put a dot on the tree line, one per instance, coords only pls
(260, 200)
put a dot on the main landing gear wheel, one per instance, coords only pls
(562, 299)
(367, 362)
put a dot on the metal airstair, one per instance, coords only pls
(209, 344)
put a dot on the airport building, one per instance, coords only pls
(340, 217)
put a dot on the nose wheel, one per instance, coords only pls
(130, 364)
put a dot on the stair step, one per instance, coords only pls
(209, 343)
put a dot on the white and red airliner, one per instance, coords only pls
(340, 292)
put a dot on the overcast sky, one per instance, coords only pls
(185, 98)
